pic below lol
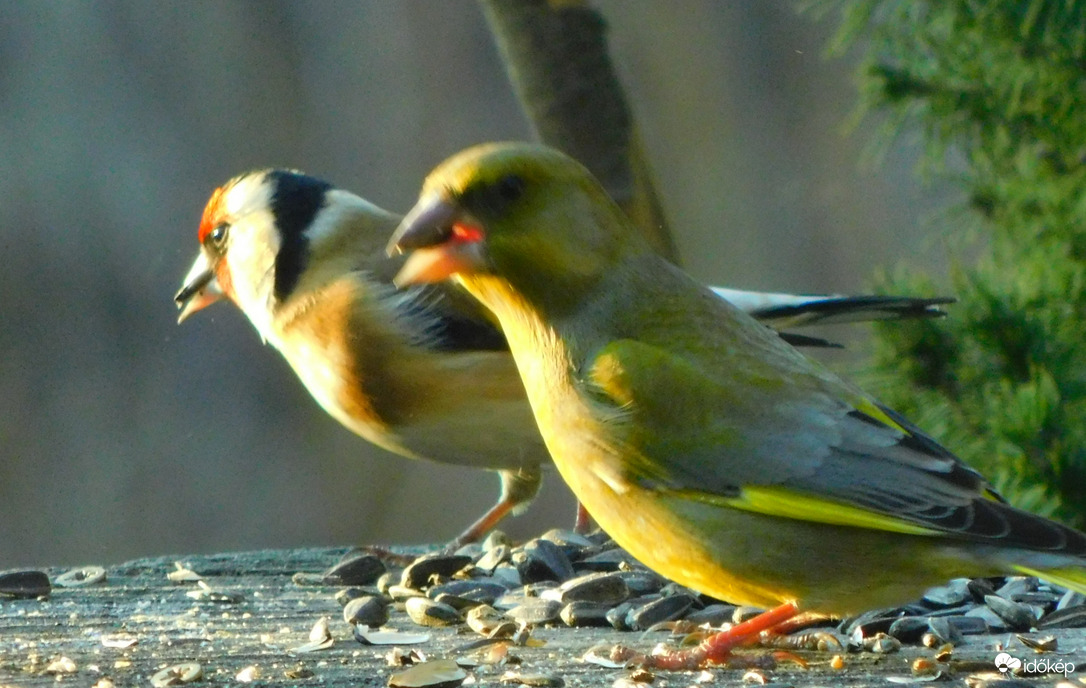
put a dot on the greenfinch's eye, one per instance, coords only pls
(509, 188)
(493, 198)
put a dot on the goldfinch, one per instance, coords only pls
(422, 373)
(707, 446)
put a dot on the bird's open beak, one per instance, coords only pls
(439, 242)
(200, 290)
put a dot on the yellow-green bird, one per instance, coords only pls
(708, 447)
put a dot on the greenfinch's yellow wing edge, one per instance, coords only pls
(1071, 578)
(873, 410)
(774, 500)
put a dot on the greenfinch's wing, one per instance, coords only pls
(789, 443)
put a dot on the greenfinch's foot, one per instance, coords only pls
(582, 522)
(716, 648)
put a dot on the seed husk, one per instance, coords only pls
(369, 636)
(84, 575)
(441, 673)
(486, 620)
(187, 672)
(534, 680)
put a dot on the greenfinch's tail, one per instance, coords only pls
(1072, 578)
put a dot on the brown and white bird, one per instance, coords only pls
(423, 372)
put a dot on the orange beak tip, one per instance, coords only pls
(434, 264)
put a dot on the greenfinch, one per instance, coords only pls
(713, 451)
(423, 374)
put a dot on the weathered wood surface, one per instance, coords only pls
(274, 615)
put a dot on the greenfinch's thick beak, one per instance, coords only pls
(440, 243)
(200, 289)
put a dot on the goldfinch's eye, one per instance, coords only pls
(217, 237)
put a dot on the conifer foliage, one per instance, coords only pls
(998, 88)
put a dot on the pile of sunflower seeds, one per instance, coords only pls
(563, 578)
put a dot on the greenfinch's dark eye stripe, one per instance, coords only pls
(493, 196)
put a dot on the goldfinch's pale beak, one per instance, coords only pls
(200, 290)
(440, 241)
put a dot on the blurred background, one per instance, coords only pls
(123, 435)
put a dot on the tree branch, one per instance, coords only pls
(556, 56)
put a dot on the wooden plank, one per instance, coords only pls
(274, 614)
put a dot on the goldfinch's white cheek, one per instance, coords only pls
(251, 265)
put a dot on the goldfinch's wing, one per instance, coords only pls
(444, 316)
(782, 311)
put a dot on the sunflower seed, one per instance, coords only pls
(492, 558)
(952, 594)
(541, 560)
(1068, 617)
(581, 613)
(608, 560)
(475, 590)
(968, 625)
(1019, 617)
(535, 611)
(1016, 585)
(24, 584)
(603, 588)
(367, 611)
(664, 609)
(425, 569)
(1071, 598)
(944, 630)
(426, 612)
(908, 629)
(355, 569)
(714, 614)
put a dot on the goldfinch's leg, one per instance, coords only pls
(519, 488)
(715, 648)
